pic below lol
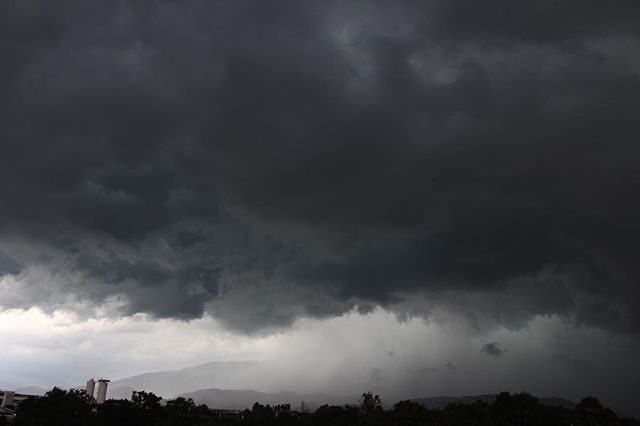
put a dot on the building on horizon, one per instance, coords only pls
(9, 400)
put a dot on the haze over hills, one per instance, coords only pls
(169, 384)
(6, 385)
(440, 402)
(216, 384)
(245, 398)
(31, 390)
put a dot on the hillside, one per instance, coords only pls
(245, 398)
(171, 383)
(440, 402)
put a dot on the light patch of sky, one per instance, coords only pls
(63, 348)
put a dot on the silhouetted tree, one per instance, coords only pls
(408, 413)
(371, 409)
(515, 410)
(183, 412)
(590, 412)
(57, 408)
(370, 404)
(331, 415)
(459, 414)
(74, 408)
(148, 408)
(119, 412)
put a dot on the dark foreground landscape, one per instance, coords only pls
(75, 408)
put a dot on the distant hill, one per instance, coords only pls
(440, 402)
(169, 384)
(216, 384)
(245, 398)
(31, 390)
(557, 402)
(6, 385)
(122, 392)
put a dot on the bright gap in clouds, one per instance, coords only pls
(65, 349)
(344, 355)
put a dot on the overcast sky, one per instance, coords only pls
(417, 197)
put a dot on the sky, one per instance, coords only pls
(416, 197)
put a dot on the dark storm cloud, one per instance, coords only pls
(263, 162)
(8, 265)
(574, 364)
(493, 349)
(534, 21)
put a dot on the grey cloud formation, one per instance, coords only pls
(493, 349)
(266, 161)
(575, 364)
(8, 265)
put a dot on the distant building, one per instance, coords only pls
(90, 388)
(10, 400)
(7, 398)
(102, 391)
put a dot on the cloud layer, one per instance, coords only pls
(261, 163)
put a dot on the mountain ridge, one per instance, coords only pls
(440, 402)
(171, 383)
(216, 384)
(245, 398)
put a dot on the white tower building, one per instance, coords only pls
(91, 386)
(102, 391)
(8, 398)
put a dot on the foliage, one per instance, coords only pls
(58, 407)
(74, 408)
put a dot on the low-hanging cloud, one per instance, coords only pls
(493, 349)
(265, 162)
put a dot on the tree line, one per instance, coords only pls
(74, 408)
